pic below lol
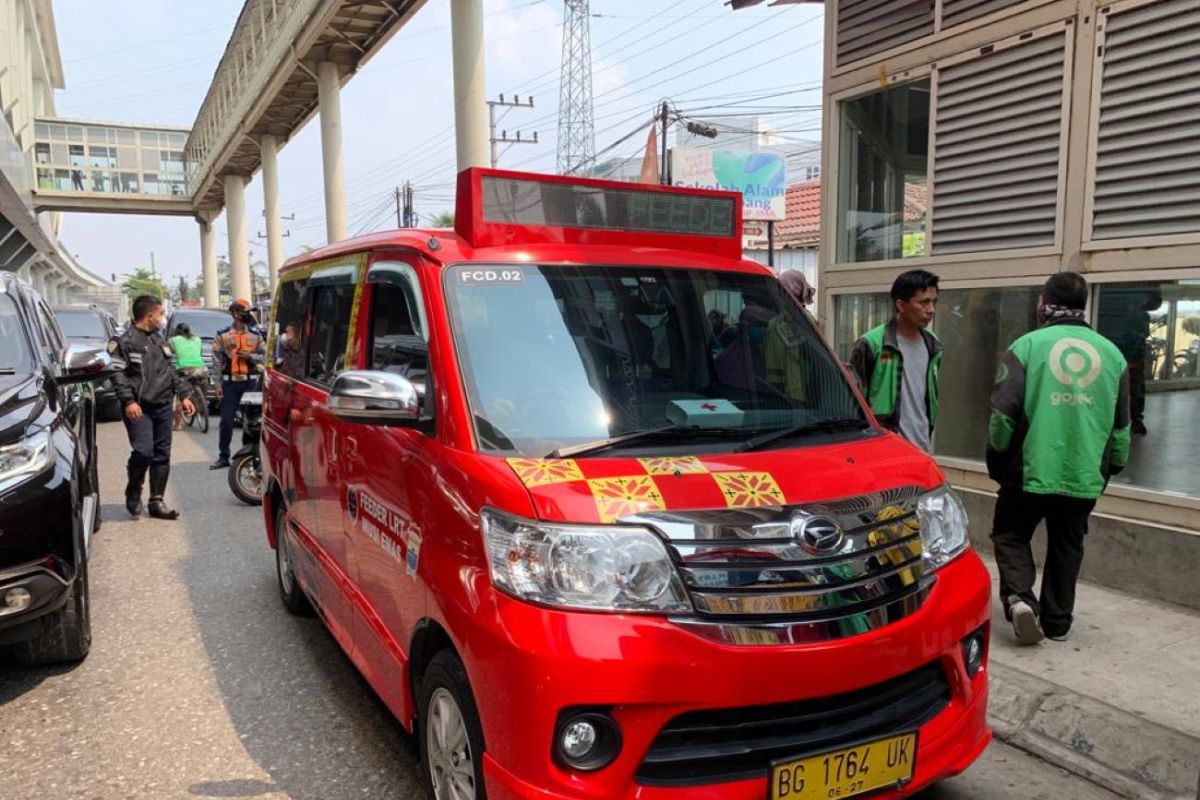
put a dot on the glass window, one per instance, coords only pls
(125, 137)
(58, 132)
(78, 158)
(75, 133)
(81, 324)
(1157, 328)
(397, 342)
(330, 326)
(97, 136)
(287, 327)
(882, 194)
(975, 326)
(14, 347)
(554, 356)
(50, 331)
(41, 153)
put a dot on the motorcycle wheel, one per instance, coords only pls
(245, 480)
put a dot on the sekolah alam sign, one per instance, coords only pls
(760, 177)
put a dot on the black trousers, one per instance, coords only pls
(1017, 516)
(231, 398)
(150, 436)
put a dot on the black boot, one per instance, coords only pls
(158, 485)
(133, 489)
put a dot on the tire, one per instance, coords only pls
(201, 403)
(289, 588)
(445, 695)
(241, 480)
(65, 635)
(94, 479)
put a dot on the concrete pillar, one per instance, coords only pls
(470, 84)
(270, 182)
(208, 258)
(239, 244)
(329, 97)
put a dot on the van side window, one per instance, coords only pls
(397, 341)
(288, 330)
(330, 325)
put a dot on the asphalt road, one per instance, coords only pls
(199, 684)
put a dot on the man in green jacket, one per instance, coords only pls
(897, 363)
(1059, 430)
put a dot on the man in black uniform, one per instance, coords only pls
(147, 385)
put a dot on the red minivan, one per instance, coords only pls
(593, 506)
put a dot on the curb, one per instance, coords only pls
(1101, 743)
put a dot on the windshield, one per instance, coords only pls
(556, 356)
(203, 324)
(14, 347)
(81, 324)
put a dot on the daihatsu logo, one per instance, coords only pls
(817, 535)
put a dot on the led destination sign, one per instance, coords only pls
(545, 203)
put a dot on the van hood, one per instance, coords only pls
(592, 490)
(20, 403)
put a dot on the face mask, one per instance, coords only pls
(161, 324)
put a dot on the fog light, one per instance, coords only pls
(578, 740)
(973, 650)
(17, 599)
(586, 740)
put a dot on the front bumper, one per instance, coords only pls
(531, 663)
(47, 580)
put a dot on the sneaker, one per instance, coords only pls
(1139, 427)
(220, 463)
(1058, 637)
(1025, 623)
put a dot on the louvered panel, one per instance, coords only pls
(956, 12)
(1147, 180)
(996, 149)
(866, 27)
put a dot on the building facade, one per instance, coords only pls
(1041, 135)
(30, 71)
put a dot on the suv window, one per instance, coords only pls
(204, 324)
(15, 356)
(287, 331)
(330, 325)
(50, 330)
(82, 324)
(397, 341)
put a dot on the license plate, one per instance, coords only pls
(846, 773)
(252, 398)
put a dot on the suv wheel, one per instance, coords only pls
(449, 734)
(65, 635)
(289, 588)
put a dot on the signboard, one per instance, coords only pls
(760, 177)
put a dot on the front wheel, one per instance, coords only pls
(450, 736)
(245, 479)
(65, 635)
(289, 588)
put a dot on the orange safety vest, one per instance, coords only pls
(233, 343)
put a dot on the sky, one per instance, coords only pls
(151, 61)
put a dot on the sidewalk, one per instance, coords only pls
(1118, 703)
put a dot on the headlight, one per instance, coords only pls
(603, 568)
(24, 459)
(943, 525)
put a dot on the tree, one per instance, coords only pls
(1192, 325)
(143, 281)
(443, 220)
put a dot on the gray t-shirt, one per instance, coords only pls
(914, 419)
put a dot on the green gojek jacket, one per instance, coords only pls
(1060, 412)
(879, 366)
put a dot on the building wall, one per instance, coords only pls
(1047, 135)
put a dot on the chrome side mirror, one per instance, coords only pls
(82, 364)
(374, 397)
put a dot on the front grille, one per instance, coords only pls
(739, 743)
(753, 580)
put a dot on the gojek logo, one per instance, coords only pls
(1076, 364)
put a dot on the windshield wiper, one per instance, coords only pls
(821, 426)
(646, 433)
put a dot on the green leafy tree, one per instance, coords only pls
(443, 220)
(143, 281)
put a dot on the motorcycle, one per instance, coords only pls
(245, 468)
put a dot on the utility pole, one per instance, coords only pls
(404, 206)
(663, 178)
(493, 119)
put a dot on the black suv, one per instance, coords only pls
(49, 486)
(92, 327)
